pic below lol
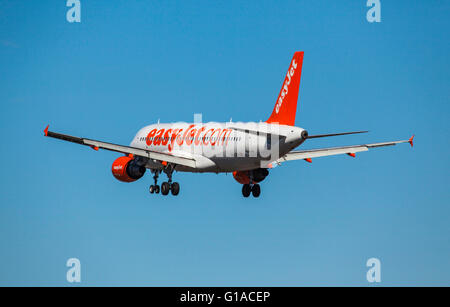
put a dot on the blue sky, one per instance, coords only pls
(130, 63)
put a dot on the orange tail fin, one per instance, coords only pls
(286, 105)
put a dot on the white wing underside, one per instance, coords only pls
(323, 152)
(154, 155)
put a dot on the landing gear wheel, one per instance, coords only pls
(154, 189)
(175, 188)
(165, 188)
(246, 189)
(256, 190)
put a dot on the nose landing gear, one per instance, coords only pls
(154, 188)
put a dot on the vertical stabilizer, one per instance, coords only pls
(286, 105)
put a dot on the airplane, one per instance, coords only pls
(247, 150)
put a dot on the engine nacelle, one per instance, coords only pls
(243, 177)
(125, 169)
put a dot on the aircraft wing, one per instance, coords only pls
(123, 149)
(323, 152)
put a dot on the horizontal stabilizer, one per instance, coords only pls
(334, 134)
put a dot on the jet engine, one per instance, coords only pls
(126, 169)
(243, 177)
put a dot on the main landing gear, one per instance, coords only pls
(251, 187)
(166, 187)
(254, 189)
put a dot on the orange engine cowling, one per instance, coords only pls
(125, 169)
(243, 177)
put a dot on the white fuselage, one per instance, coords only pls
(219, 147)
